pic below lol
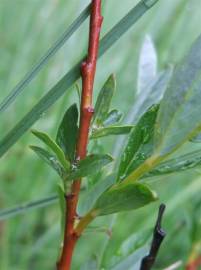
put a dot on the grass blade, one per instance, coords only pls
(21, 209)
(44, 60)
(60, 88)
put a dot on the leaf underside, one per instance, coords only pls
(179, 117)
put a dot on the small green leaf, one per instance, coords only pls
(179, 164)
(103, 101)
(53, 146)
(68, 131)
(179, 117)
(50, 159)
(112, 130)
(123, 197)
(113, 117)
(88, 166)
(139, 142)
(147, 65)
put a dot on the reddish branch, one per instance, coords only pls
(194, 265)
(88, 70)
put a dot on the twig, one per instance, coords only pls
(88, 70)
(158, 236)
(195, 264)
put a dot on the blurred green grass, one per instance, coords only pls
(27, 29)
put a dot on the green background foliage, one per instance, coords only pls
(31, 240)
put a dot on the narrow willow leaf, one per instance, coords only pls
(53, 146)
(103, 101)
(134, 242)
(70, 78)
(147, 68)
(113, 130)
(151, 95)
(179, 117)
(127, 249)
(144, 152)
(113, 117)
(133, 261)
(140, 136)
(91, 264)
(176, 165)
(89, 166)
(50, 159)
(123, 197)
(44, 60)
(68, 131)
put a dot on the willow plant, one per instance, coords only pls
(167, 115)
(159, 131)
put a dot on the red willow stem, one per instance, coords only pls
(88, 70)
(194, 265)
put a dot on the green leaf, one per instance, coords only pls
(53, 146)
(135, 241)
(90, 196)
(103, 101)
(112, 117)
(147, 69)
(88, 166)
(145, 151)
(123, 197)
(91, 264)
(113, 130)
(50, 159)
(68, 131)
(69, 79)
(151, 95)
(179, 117)
(176, 165)
(126, 251)
(133, 261)
(139, 146)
